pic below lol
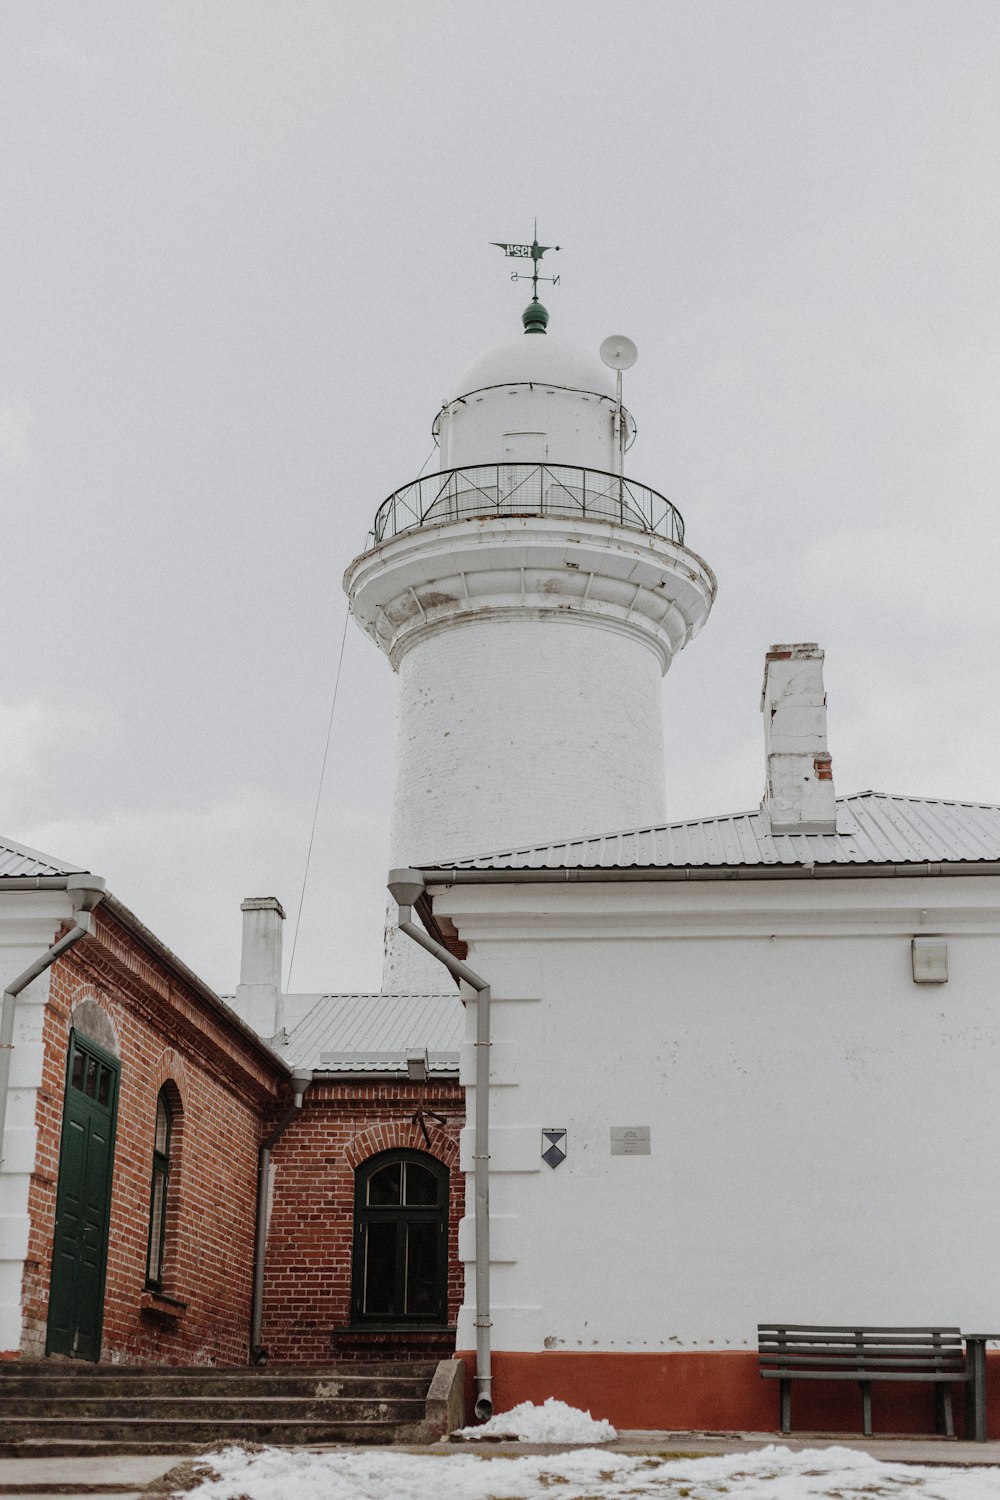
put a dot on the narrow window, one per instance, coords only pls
(158, 1193)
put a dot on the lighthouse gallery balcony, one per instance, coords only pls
(484, 491)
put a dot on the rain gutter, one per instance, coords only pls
(406, 887)
(612, 874)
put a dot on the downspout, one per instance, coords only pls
(300, 1082)
(405, 886)
(85, 891)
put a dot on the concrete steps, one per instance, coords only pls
(71, 1410)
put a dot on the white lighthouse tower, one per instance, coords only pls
(531, 596)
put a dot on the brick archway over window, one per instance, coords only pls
(170, 1068)
(401, 1135)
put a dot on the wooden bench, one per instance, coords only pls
(798, 1351)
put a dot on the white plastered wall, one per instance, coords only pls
(822, 1127)
(520, 731)
(29, 922)
(573, 427)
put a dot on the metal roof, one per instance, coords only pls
(373, 1033)
(872, 828)
(19, 860)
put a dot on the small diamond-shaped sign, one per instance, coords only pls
(553, 1147)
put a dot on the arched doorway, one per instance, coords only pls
(400, 1269)
(83, 1200)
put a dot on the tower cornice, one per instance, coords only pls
(541, 568)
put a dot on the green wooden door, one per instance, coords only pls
(83, 1201)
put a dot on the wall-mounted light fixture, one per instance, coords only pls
(930, 960)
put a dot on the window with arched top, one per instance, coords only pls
(400, 1270)
(159, 1189)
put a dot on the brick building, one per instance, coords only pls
(347, 1275)
(148, 1130)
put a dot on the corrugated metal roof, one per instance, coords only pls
(373, 1033)
(18, 859)
(872, 828)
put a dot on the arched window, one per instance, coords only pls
(400, 1272)
(158, 1191)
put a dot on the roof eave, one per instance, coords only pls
(570, 874)
(383, 1075)
(148, 940)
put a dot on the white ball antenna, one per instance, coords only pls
(619, 353)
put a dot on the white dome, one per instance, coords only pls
(536, 357)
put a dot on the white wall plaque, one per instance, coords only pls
(630, 1140)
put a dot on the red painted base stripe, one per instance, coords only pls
(713, 1391)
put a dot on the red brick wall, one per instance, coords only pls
(308, 1280)
(166, 1033)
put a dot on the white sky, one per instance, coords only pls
(245, 253)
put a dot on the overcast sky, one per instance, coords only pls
(245, 254)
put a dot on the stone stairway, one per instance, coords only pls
(51, 1409)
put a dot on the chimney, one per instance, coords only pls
(799, 796)
(258, 997)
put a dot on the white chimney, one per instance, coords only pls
(258, 997)
(799, 795)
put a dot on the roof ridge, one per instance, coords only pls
(906, 797)
(369, 995)
(512, 851)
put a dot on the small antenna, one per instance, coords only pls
(619, 353)
(532, 252)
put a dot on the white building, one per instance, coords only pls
(802, 1030)
(765, 1047)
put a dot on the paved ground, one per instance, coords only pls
(129, 1478)
(98, 1478)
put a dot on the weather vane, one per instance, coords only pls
(533, 252)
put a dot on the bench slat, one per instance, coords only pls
(860, 1376)
(845, 1345)
(876, 1356)
(862, 1364)
(795, 1340)
(848, 1328)
(903, 1351)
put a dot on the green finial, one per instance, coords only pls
(535, 316)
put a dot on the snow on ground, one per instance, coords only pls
(552, 1422)
(587, 1474)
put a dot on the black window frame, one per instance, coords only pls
(159, 1185)
(404, 1215)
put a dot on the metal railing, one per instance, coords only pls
(539, 489)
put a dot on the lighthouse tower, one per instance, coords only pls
(531, 596)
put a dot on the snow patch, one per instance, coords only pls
(586, 1474)
(552, 1422)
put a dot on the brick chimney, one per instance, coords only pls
(258, 996)
(799, 794)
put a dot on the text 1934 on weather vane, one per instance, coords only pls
(532, 252)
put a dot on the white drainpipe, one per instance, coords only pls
(406, 886)
(85, 891)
